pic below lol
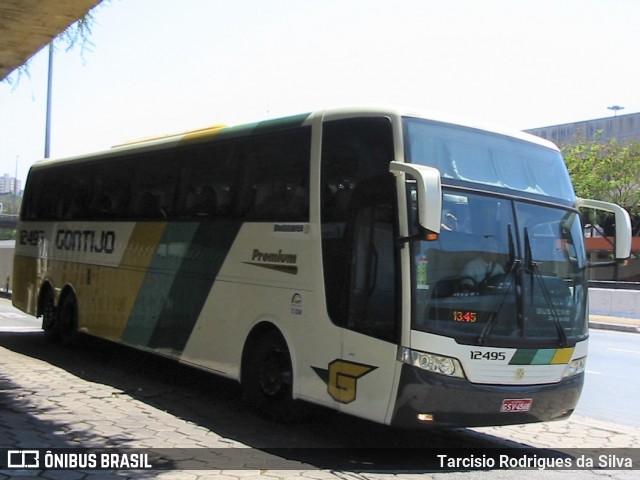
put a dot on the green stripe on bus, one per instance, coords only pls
(192, 284)
(523, 357)
(543, 356)
(157, 283)
(285, 123)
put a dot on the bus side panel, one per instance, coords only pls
(258, 280)
(177, 284)
(104, 265)
(25, 283)
(144, 286)
(270, 275)
(31, 261)
(106, 306)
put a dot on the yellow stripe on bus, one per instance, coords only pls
(562, 356)
(126, 281)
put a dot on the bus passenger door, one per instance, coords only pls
(367, 368)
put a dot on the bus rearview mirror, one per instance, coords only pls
(429, 193)
(623, 224)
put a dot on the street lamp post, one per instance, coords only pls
(47, 132)
(615, 109)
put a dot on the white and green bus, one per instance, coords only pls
(405, 269)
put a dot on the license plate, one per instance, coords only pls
(516, 405)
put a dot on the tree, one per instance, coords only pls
(608, 171)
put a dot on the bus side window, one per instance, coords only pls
(112, 189)
(353, 151)
(41, 201)
(76, 194)
(147, 205)
(155, 187)
(277, 177)
(209, 175)
(201, 201)
(372, 301)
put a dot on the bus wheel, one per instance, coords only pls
(267, 379)
(68, 320)
(49, 318)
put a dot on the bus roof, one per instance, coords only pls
(220, 131)
(433, 115)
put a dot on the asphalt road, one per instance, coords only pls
(612, 388)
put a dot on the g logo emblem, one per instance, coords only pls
(343, 379)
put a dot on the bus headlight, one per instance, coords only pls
(575, 367)
(432, 363)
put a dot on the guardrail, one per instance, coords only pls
(8, 221)
(612, 302)
(614, 285)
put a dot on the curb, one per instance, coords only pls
(614, 327)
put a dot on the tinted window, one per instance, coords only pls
(352, 151)
(111, 190)
(155, 187)
(276, 178)
(211, 178)
(262, 178)
(357, 240)
(63, 193)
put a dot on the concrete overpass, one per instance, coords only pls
(26, 26)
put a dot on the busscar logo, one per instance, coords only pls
(278, 261)
(23, 459)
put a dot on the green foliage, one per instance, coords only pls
(8, 233)
(608, 171)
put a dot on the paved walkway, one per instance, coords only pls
(43, 405)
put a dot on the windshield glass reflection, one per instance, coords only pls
(467, 155)
(501, 273)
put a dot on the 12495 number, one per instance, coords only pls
(479, 355)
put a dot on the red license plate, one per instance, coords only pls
(516, 405)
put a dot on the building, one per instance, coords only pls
(9, 184)
(621, 127)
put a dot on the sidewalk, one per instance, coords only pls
(620, 324)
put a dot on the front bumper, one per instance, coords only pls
(456, 402)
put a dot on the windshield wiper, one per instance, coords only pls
(514, 266)
(533, 268)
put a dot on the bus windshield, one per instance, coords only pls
(502, 273)
(465, 155)
(508, 267)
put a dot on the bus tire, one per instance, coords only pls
(49, 317)
(68, 320)
(267, 379)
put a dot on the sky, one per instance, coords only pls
(166, 66)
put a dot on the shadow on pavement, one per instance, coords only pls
(327, 439)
